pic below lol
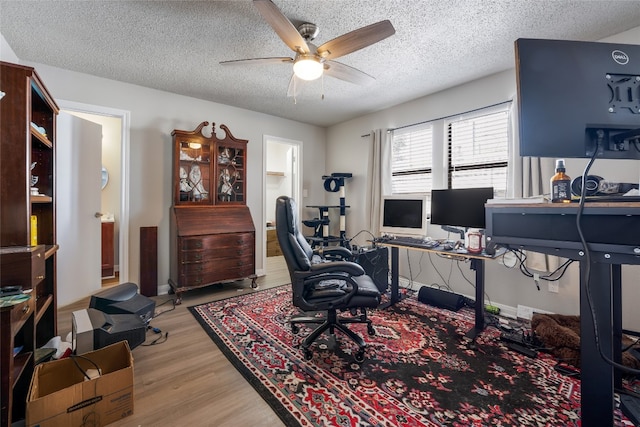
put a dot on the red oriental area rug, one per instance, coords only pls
(419, 369)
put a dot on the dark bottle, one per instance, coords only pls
(560, 184)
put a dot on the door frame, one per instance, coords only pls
(297, 192)
(125, 117)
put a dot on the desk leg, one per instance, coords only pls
(597, 375)
(616, 281)
(395, 282)
(478, 266)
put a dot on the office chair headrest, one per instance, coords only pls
(296, 245)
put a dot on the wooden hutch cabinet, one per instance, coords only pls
(27, 230)
(212, 233)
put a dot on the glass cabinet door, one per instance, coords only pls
(231, 173)
(195, 171)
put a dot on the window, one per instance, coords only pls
(478, 151)
(473, 152)
(411, 160)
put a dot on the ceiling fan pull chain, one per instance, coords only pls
(322, 82)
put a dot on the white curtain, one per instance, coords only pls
(531, 177)
(379, 173)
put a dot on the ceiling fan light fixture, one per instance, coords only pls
(308, 67)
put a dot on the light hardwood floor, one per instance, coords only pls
(187, 380)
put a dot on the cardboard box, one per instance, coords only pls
(61, 395)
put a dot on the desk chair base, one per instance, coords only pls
(332, 322)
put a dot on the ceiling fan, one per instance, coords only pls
(311, 62)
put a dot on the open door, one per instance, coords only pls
(78, 186)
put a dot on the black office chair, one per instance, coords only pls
(320, 285)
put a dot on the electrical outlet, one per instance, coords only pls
(553, 287)
(524, 312)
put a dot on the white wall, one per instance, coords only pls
(6, 52)
(504, 285)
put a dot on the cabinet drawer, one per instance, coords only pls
(20, 313)
(216, 241)
(22, 265)
(196, 256)
(205, 278)
(211, 265)
(234, 262)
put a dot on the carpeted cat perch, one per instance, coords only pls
(561, 335)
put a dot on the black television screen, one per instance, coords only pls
(460, 207)
(575, 96)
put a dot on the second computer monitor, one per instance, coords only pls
(460, 207)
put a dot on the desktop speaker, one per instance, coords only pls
(375, 262)
(597, 186)
(439, 298)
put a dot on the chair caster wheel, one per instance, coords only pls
(295, 329)
(370, 330)
(359, 356)
(308, 354)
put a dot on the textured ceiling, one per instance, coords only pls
(177, 46)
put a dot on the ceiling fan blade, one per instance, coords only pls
(347, 73)
(356, 40)
(273, 60)
(282, 26)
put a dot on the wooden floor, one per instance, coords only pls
(187, 380)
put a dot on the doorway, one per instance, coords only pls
(115, 174)
(282, 177)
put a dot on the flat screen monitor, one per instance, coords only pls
(460, 207)
(575, 96)
(404, 215)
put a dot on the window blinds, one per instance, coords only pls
(411, 161)
(478, 151)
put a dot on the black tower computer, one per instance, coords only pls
(375, 263)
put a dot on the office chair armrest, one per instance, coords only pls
(348, 267)
(339, 253)
(304, 280)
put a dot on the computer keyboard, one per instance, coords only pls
(415, 242)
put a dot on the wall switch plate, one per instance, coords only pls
(553, 287)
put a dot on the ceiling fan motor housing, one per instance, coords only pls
(308, 30)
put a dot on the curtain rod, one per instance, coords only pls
(449, 116)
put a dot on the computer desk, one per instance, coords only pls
(477, 264)
(612, 233)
